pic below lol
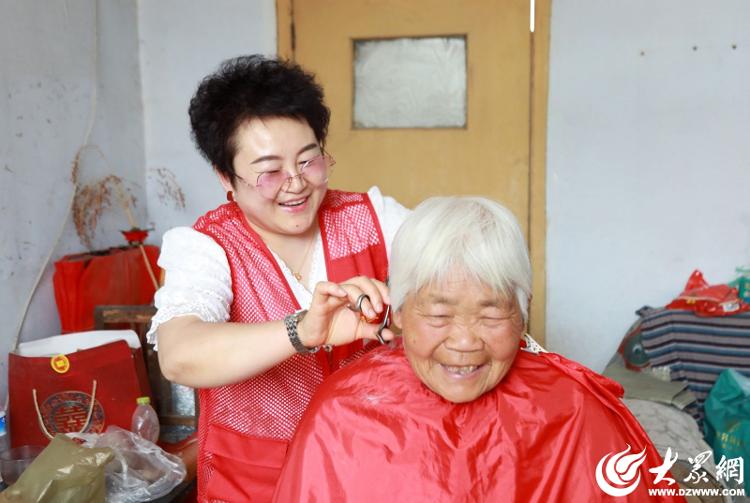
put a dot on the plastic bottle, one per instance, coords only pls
(4, 436)
(4, 441)
(145, 421)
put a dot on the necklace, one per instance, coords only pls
(298, 275)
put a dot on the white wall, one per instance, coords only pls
(47, 76)
(648, 160)
(181, 42)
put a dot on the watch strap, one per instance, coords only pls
(291, 323)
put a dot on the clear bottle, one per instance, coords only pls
(4, 436)
(4, 442)
(145, 421)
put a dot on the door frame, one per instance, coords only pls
(537, 224)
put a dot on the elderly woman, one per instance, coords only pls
(253, 288)
(467, 408)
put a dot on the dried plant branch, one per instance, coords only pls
(169, 189)
(92, 199)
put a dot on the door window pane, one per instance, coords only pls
(410, 83)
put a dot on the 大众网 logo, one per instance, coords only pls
(617, 474)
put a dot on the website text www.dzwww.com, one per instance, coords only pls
(696, 491)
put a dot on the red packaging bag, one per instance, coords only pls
(115, 276)
(708, 300)
(54, 388)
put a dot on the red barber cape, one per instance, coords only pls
(375, 433)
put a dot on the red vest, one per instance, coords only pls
(244, 428)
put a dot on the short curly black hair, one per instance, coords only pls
(249, 87)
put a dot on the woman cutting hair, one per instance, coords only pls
(253, 289)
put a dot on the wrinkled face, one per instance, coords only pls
(270, 144)
(460, 337)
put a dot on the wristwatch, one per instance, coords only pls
(291, 322)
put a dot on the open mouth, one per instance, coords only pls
(294, 204)
(461, 370)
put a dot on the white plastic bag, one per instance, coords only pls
(140, 471)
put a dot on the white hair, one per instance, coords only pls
(474, 235)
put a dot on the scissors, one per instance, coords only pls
(383, 319)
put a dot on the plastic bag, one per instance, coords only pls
(727, 423)
(708, 300)
(64, 472)
(140, 470)
(742, 283)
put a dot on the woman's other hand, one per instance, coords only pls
(329, 319)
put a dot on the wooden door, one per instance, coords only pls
(490, 155)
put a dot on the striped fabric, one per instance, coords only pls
(697, 349)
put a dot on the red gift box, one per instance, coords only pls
(74, 391)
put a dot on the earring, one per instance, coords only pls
(230, 196)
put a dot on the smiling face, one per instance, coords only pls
(460, 337)
(267, 145)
